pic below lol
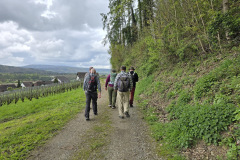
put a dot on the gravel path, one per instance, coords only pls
(129, 138)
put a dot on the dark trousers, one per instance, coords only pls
(132, 96)
(91, 96)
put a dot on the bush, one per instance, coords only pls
(198, 122)
(227, 69)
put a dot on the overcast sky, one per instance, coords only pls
(53, 32)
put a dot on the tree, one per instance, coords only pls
(19, 84)
(55, 80)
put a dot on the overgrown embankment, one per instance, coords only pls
(187, 104)
(186, 54)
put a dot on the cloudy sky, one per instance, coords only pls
(53, 32)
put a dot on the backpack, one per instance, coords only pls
(112, 78)
(92, 84)
(123, 83)
(131, 75)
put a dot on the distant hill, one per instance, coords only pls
(11, 69)
(65, 69)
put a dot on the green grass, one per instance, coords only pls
(199, 105)
(25, 125)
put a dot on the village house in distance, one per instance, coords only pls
(61, 79)
(27, 84)
(80, 76)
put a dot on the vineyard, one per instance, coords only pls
(36, 92)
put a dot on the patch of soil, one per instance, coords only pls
(204, 151)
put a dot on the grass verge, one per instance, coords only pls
(24, 126)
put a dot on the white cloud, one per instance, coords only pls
(54, 32)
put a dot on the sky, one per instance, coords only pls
(53, 32)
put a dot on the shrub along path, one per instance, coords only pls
(105, 136)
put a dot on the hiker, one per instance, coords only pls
(122, 84)
(92, 88)
(88, 72)
(109, 86)
(134, 77)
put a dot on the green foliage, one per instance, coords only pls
(145, 86)
(14, 77)
(227, 69)
(226, 23)
(158, 131)
(177, 55)
(27, 125)
(36, 92)
(55, 80)
(198, 122)
(192, 119)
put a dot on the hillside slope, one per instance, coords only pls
(186, 54)
(11, 69)
(64, 69)
(195, 104)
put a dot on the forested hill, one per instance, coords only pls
(11, 69)
(65, 69)
(187, 56)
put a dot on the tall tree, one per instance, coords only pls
(225, 9)
(147, 11)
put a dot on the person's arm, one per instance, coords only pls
(107, 80)
(84, 83)
(136, 77)
(99, 87)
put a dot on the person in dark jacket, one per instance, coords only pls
(109, 87)
(134, 76)
(92, 88)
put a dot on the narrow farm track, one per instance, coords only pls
(105, 136)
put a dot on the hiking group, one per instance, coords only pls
(120, 87)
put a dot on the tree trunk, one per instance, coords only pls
(225, 6)
(134, 26)
(140, 14)
(225, 9)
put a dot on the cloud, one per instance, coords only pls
(43, 15)
(56, 32)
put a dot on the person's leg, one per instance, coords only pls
(110, 96)
(132, 97)
(120, 104)
(126, 103)
(114, 96)
(87, 108)
(94, 102)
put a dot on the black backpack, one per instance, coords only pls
(92, 84)
(123, 83)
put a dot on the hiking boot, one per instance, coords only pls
(127, 114)
(87, 119)
(113, 107)
(122, 117)
(95, 114)
(131, 105)
(109, 105)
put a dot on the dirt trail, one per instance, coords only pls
(128, 138)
